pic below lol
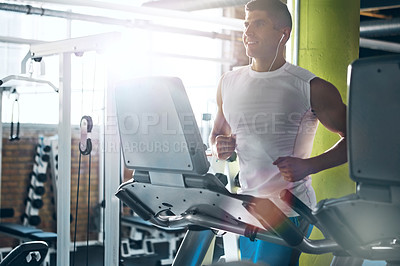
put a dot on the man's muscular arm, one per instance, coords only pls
(222, 142)
(327, 104)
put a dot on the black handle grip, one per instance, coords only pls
(17, 134)
(297, 205)
(12, 136)
(11, 130)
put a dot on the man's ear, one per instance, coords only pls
(286, 32)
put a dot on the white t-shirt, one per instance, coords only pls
(270, 114)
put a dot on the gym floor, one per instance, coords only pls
(96, 258)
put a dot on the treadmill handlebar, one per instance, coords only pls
(320, 246)
(277, 227)
(298, 206)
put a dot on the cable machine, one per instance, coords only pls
(65, 49)
(10, 84)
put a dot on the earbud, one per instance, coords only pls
(283, 35)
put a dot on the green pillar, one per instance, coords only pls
(329, 42)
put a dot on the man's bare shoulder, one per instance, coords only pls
(320, 86)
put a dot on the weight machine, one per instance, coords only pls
(65, 49)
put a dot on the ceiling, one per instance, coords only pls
(379, 21)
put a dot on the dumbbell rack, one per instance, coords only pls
(53, 143)
(33, 203)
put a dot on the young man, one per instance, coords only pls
(268, 112)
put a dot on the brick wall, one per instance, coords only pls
(17, 164)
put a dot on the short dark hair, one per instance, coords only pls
(276, 10)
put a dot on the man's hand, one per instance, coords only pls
(224, 146)
(292, 168)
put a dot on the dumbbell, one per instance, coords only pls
(35, 203)
(56, 159)
(33, 220)
(38, 190)
(45, 157)
(41, 177)
(47, 148)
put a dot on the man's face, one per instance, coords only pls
(260, 38)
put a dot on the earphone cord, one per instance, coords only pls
(276, 54)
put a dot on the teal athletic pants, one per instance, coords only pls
(259, 251)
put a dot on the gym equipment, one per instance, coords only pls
(365, 224)
(86, 125)
(10, 83)
(32, 219)
(22, 255)
(36, 187)
(171, 187)
(26, 233)
(29, 253)
(144, 237)
(85, 148)
(19, 80)
(6, 212)
(15, 136)
(51, 147)
(35, 201)
(50, 156)
(41, 177)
